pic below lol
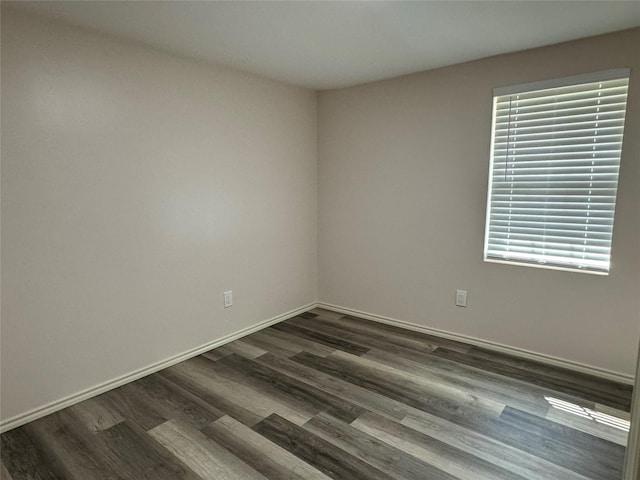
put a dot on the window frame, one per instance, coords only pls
(613, 74)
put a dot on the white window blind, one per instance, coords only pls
(555, 157)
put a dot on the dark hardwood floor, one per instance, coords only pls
(329, 396)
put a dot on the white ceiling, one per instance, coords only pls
(321, 45)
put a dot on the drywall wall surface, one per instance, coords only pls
(403, 168)
(136, 188)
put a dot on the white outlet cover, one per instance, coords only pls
(461, 298)
(228, 299)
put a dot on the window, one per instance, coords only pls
(553, 176)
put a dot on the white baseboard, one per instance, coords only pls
(497, 347)
(52, 407)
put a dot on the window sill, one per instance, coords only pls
(545, 266)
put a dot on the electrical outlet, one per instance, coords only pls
(461, 298)
(228, 299)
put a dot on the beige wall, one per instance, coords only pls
(136, 188)
(403, 170)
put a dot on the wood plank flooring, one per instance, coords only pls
(326, 396)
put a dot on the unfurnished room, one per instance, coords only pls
(314, 240)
